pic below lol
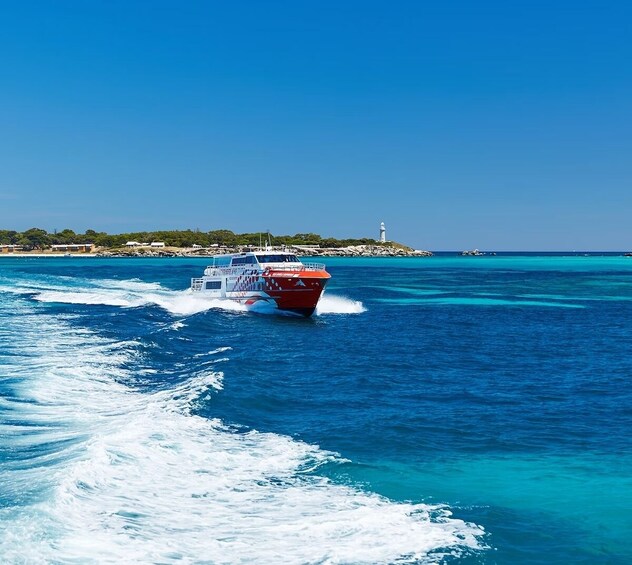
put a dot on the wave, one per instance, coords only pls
(131, 293)
(123, 293)
(104, 472)
(183, 303)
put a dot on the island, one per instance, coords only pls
(191, 243)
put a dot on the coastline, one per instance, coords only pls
(350, 251)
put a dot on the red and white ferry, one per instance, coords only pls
(277, 278)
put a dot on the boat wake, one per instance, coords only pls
(124, 294)
(181, 303)
(104, 471)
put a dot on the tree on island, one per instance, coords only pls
(9, 237)
(34, 238)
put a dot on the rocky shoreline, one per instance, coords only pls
(351, 251)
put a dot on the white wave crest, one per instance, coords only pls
(176, 302)
(332, 304)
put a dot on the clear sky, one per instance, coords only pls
(499, 125)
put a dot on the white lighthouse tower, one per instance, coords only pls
(382, 233)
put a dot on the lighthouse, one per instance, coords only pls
(382, 233)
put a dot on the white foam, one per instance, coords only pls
(186, 302)
(129, 284)
(129, 476)
(182, 302)
(214, 351)
(332, 304)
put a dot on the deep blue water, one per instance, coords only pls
(449, 409)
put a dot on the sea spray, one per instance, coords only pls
(333, 304)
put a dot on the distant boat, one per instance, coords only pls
(276, 278)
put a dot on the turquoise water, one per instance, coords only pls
(448, 409)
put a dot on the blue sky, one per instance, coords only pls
(497, 125)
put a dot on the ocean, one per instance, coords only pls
(472, 410)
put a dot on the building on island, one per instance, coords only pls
(132, 244)
(305, 247)
(7, 248)
(77, 247)
(382, 233)
(157, 244)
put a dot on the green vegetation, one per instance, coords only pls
(36, 238)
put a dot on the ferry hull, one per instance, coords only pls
(296, 292)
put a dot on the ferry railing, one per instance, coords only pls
(230, 271)
(196, 284)
(315, 266)
(301, 267)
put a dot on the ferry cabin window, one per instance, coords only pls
(248, 260)
(277, 258)
(221, 261)
(213, 285)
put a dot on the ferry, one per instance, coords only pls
(276, 278)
